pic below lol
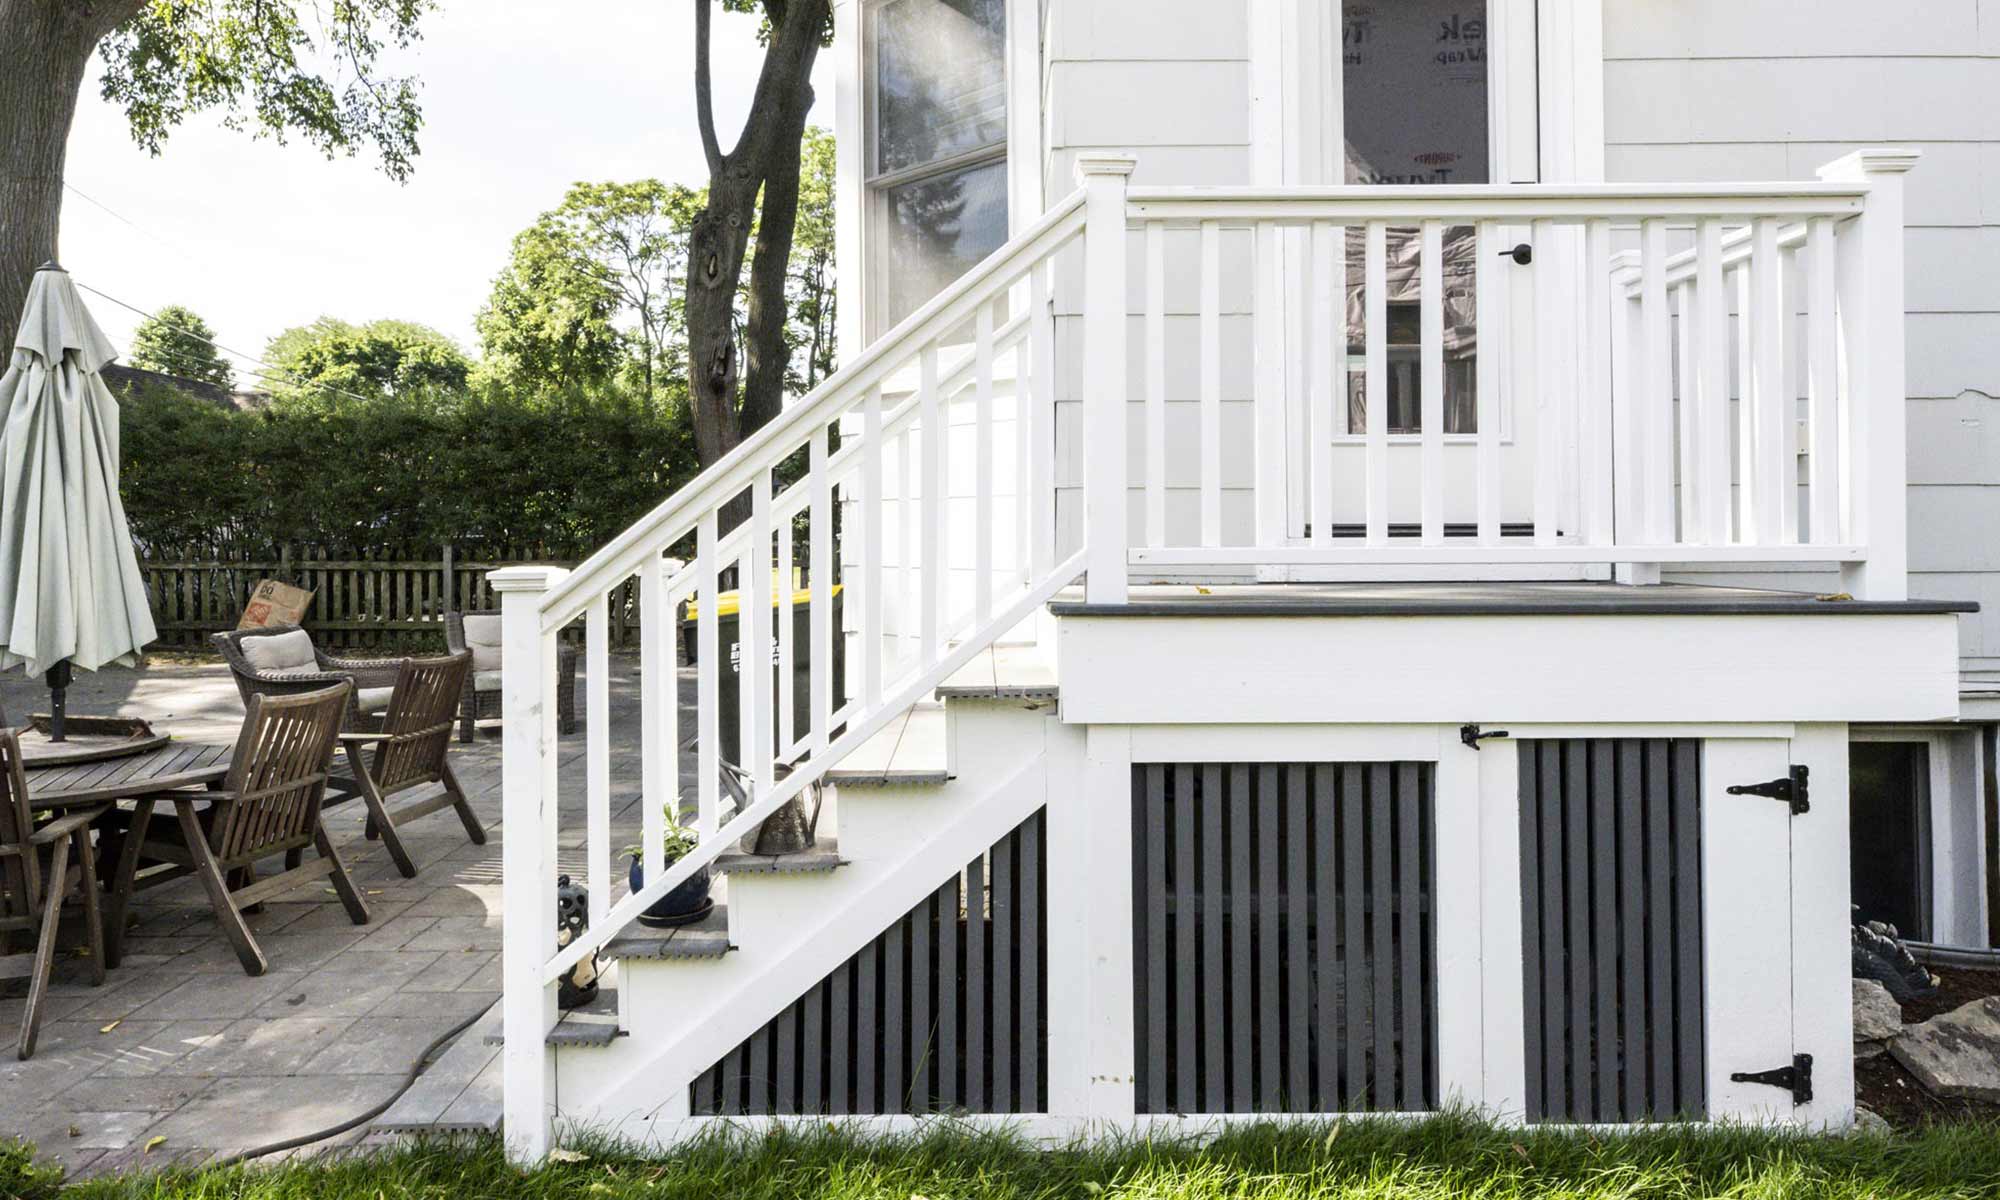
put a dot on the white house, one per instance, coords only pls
(1387, 548)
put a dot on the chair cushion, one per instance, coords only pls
(486, 681)
(281, 654)
(373, 700)
(482, 637)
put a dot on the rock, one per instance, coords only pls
(1957, 1054)
(1877, 1018)
(1869, 1122)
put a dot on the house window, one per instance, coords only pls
(937, 155)
(1414, 105)
(1889, 833)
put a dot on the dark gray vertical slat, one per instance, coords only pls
(838, 1056)
(1632, 927)
(733, 1069)
(1353, 884)
(1427, 889)
(1325, 877)
(1242, 1011)
(813, 1098)
(1555, 1010)
(757, 1095)
(867, 1028)
(1142, 1006)
(1186, 1023)
(703, 1100)
(892, 1017)
(1576, 906)
(1214, 974)
(1604, 919)
(1409, 935)
(1151, 1032)
(1382, 947)
(1032, 1046)
(1528, 787)
(949, 991)
(1270, 999)
(1659, 930)
(785, 1097)
(1298, 956)
(1002, 1082)
(1691, 1094)
(976, 1002)
(922, 1057)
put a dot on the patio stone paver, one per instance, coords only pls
(179, 1043)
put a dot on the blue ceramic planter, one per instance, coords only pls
(684, 905)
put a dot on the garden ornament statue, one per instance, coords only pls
(578, 985)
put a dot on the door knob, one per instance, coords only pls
(1522, 254)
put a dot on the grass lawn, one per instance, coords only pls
(1446, 1157)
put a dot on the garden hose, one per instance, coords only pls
(1954, 956)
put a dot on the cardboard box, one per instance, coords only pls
(274, 603)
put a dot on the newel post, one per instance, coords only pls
(1105, 394)
(1874, 396)
(528, 856)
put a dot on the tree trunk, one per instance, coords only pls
(770, 268)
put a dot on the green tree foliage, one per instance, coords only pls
(381, 358)
(176, 341)
(810, 289)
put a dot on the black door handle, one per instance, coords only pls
(1522, 254)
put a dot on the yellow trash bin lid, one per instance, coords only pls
(729, 603)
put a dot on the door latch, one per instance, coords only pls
(1472, 735)
(1797, 1078)
(1793, 789)
(1522, 254)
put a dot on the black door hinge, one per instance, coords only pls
(1472, 735)
(1793, 789)
(1796, 1078)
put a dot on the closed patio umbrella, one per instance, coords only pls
(70, 591)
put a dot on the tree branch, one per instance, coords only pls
(704, 89)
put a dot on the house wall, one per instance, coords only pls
(1771, 89)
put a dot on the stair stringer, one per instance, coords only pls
(684, 1015)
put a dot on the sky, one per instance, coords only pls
(521, 99)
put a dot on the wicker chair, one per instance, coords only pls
(282, 660)
(480, 633)
(410, 750)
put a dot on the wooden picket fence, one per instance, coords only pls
(374, 602)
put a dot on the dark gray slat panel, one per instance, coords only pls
(1576, 935)
(1427, 838)
(894, 1088)
(1659, 931)
(1691, 1094)
(1528, 789)
(1555, 1009)
(812, 1092)
(1631, 772)
(1268, 945)
(867, 1028)
(840, 1022)
(1001, 1084)
(1603, 802)
(1298, 953)
(734, 1068)
(1214, 973)
(1186, 1021)
(1353, 884)
(949, 992)
(1381, 933)
(757, 1089)
(1242, 1009)
(1325, 880)
(1149, 934)
(922, 1052)
(1410, 1011)
(977, 1004)
(1033, 979)
(785, 1078)
(704, 1098)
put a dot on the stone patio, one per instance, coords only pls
(179, 1044)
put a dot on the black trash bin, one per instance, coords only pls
(728, 638)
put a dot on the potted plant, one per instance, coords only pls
(690, 901)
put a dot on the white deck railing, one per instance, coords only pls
(1634, 402)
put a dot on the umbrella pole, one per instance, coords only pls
(58, 680)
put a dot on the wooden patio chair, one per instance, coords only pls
(479, 633)
(268, 804)
(36, 877)
(410, 751)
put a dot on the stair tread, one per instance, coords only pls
(593, 1024)
(822, 856)
(460, 1092)
(909, 750)
(706, 938)
(1002, 673)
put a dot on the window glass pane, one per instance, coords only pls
(1888, 822)
(1413, 76)
(1405, 337)
(938, 229)
(940, 80)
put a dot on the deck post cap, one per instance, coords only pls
(1104, 164)
(530, 578)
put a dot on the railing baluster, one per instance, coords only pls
(1430, 303)
(870, 501)
(1548, 376)
(1211, 384)
(1764, 458)
(754, 624)
(819, 578)
(597, 755)
(906, 544)
(1490, 306)
(1789, 391)
(1712, 384)
(982, 541)
(1323, 400)
(1746, 434)
(787, 586)
(1375, 284)
(1156, 384)
(1268, 474)
(1023, 447)
(937, 450)
(1654, 395)
(1685, 351)
(708, 681)
(1822, 363)
(1041, 436)
(656, 693)
(1594, 402)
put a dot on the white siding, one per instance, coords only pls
(1758, 89)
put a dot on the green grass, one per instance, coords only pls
(1446, 1157)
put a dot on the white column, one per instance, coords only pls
(1106, 796)
(528, 857)
(1104, 390)
(1873, 400)
(1822, 962)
